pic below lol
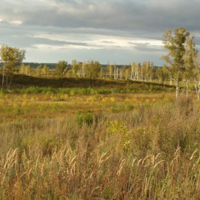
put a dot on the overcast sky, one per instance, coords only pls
(118, 31)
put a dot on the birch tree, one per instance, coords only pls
(83, 67)
(76, 67)
(22, 69)
(174, 44)
(143, 71)
(45, 70)
(134, 71)
(12, 59)
(189, 59)
(162, 74)
(171, 73)
(28, 70)
(139, 72)
(110, 70)
(61, 69)
(197, 76)
(148, 71)
(151, 72)
(115, 70)
(93, 70)
(123, 72)
(127, 72)
(39, 70)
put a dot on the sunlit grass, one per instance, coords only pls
(30, 104)
(101, 146)
(84, 143)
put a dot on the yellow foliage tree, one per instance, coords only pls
(12, 59)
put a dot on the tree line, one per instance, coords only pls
(182, 64)
(91, 69)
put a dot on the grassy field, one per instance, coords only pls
(134, 141)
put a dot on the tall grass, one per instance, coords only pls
(151, 152)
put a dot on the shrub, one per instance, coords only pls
(87, 118)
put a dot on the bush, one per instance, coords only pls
(87, 118)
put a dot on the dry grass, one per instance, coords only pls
(148, 152)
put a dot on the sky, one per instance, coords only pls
(119, 31)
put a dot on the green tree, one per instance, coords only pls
(93, 70)
(162, 74)
(144, 71)
(39, 70)
(134, 71)
(61, 69)
(171, 73)
(139, 72)
(127, 72)
(83, 67)
(115, 73)
(76, 67)
(12, 59)
(197, 75)
(151, 73)
(28, 70)
(110, 70)
(22, 68)
(175, 44)
(190, 61)
(45, 70)
(123, 72)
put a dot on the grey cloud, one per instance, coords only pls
(154, 15)
(23, 36)
(84, 20)
(25, 42)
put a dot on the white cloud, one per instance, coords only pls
(96, 40)
(58, 47)
(15, 22)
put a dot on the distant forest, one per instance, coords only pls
(53, 65)
(35, 65)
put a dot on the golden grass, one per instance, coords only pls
(117, 146)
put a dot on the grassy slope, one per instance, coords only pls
(20, 81)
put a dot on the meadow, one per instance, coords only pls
(130, 142)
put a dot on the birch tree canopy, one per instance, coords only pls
(61, 69)
(176, 46)
(12, 59)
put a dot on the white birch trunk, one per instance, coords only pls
(170, 80)
(177, 86)
(131, 73)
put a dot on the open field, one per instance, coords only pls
(99, 143)
(40, 105)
